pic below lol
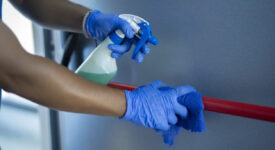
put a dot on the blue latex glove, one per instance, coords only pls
(194, 122)
(154, 108)
(119, 50)
(99, 25)
(169, 135)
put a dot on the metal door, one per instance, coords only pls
(224, 48)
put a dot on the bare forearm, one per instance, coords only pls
(56, 14)
(49, 84)
(45, 82)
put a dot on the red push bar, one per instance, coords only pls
(225, 106)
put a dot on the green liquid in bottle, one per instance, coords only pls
(98, 78)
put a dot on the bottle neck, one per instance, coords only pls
(117, 37)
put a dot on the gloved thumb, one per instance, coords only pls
(153, 40)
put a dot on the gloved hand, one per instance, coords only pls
(99, 25)
(154, 108)
(169, 135)
(193, 122)
(119, 50)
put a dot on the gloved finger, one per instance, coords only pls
(125, 47)
(172, 119)
(168, 139)
(169, 136)
(115, 55)
(163, 126)
(157, 84)
(139, 57)
(153, 40)
(180, 110)
(158, 131)
(125, 28)
(145, 49)
(182, 90)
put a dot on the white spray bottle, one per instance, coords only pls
(100, 67)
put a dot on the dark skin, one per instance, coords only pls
(55, 14)
(44, 81)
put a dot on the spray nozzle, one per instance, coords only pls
(142, 31)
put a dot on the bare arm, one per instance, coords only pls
(47, 83)
(57, 14)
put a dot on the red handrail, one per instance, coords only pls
(225, 106)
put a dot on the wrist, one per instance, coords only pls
(84, 24)
(88, 24)
(129, 107)
(116, 102)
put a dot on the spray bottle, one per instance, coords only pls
(100, 67)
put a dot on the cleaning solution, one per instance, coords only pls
(100, 67)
